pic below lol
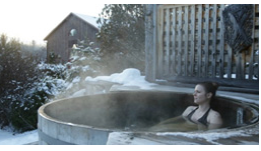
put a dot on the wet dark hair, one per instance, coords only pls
(210, 87)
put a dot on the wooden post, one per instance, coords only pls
(159, 23)
(150, 42)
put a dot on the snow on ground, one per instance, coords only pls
(7, 138)
(122, 138)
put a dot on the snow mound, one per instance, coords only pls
(129, 77)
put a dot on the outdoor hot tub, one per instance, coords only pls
(92, 119)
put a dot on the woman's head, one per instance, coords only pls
(204, 92)
(210, 87)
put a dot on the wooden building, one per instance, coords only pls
(203, 42)
(73, 28)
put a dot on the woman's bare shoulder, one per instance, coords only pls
(191, 107)
(214, 113)
(188, 110)
(215, 116)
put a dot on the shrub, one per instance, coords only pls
(24, 86)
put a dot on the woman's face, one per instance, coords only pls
(200, 95)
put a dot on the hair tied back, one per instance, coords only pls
(215, 85)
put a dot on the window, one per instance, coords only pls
(73, 32)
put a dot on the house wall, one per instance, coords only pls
(58, 41)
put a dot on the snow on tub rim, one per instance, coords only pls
(91, 119)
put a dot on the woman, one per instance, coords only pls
(202, 114)
(196, 117)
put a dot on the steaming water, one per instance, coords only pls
(176, 124)
(143, 111)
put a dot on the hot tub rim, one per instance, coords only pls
(248, 126)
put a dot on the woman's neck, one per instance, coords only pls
(204, 107)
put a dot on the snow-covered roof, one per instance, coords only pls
(90, 19)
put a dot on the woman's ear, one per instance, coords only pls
(209, 95)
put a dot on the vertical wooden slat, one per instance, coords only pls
(186, 42)
(173, 40)
(243, 65)
(222, 43)
(154, 53)
(179, 39)
(199, 39)
(239, 65)
(154, 48)
(214, 39)
(251, 62)
(257, 42)
(228, 59)
(167, 39)
(160, 42)
(229, 63)
(206, 39)
(192, 41)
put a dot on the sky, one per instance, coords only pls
(29, 20)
